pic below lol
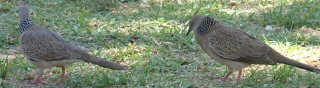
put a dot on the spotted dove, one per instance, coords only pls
(235, 48)
(46, 49)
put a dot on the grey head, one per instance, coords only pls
(25, 21)
(201, 24)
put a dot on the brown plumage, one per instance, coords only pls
(235, 48)
(46, 49)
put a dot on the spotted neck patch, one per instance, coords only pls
(206, 25)
(25, 24)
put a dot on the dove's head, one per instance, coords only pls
(194, 22)
(23, 12)
(25, 21)
(201, 24)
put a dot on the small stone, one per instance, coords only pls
(269, 28)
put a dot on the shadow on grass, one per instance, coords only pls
(149, 37)
(293, 21)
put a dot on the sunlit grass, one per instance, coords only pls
(148, 37)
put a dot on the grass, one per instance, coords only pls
(4, 67)
(148, 36)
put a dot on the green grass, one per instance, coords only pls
(148, 36)
(4, 68)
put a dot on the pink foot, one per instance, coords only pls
(224, 79)
(221, 81)
(239, 78)
(35, 81)
(63, 75)
(63, 79)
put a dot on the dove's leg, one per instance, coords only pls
(63, 74)
(239, 79)
(38, 79)
(226, 76)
